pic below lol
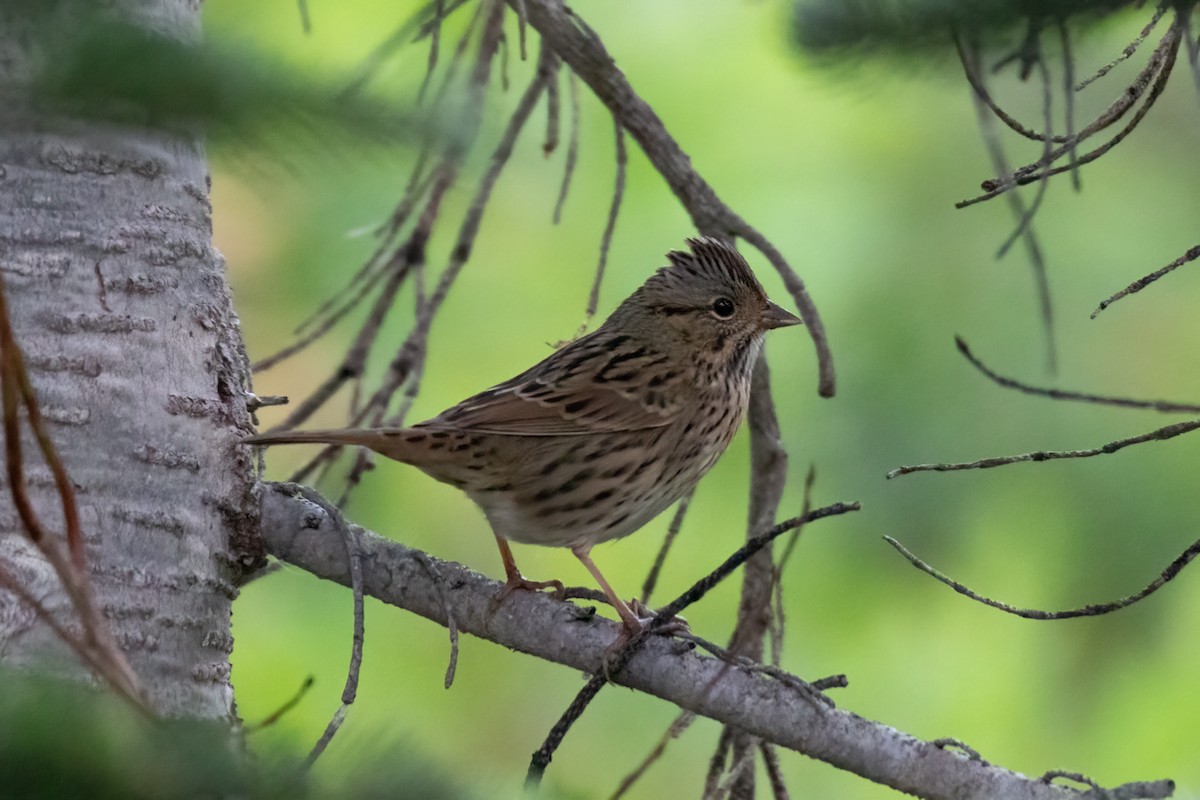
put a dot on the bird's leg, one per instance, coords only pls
(513, 579)
(633, 625)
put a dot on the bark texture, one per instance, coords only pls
(299, 531)
(120, 305)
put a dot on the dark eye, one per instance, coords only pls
(723, 307)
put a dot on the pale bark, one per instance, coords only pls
(120, 305)
(298, 530)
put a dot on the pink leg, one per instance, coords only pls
(514, 580)
(632, 624)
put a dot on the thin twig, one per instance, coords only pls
(735, 560)
(673, 731)
(350, 689)
(305, 21)
(1059, 394)
(1153, 77)
(287, 706)
(661, 557)
(716, 764)
(544, 754)
(322, 327)
(1141, 283)
(1129, 50)
(572, 148)
(356, 357)
(1068, 61)
(553, 113)
(420, 22)
(778, 616)
(774, 771)
(451, 623)
(610, 225)
(409, 351)
(1160, 434)
(520, 6)
(435, 39)
(1026, 215)
(1094, 610)
(970, 55)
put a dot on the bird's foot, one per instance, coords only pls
(668, 626)
(517, 581)
(637, 621)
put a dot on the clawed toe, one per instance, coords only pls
(517, 581)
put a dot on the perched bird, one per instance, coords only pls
(599, 438)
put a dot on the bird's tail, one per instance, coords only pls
(367, 437)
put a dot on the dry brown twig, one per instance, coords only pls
(94, 643)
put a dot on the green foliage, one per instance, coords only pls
(114, 71)
(909, 25)
(63, 740)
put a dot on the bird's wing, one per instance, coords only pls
(602, 383)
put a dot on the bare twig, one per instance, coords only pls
(1025, 216)
(544, 754)
(287, 706)
(435, 38)
(451, 624)
(673, 731)
(1068, 62)
(1160, 434)
(705, 584)
(1129, 50)
(661, 557)
(572, 148)
(350, 689)
(323, 326)
(774, 772)
(305, 20)
(1059, 394)
(520, 8)
(1151, 81)
(609, 226)
(970, 56)
(716, 764)
(778, 617)
(421, 24)
(1093, 610)
(1141, 283)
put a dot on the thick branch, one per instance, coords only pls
(299, 532)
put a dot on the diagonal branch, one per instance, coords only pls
(300, 533)
(582, 51)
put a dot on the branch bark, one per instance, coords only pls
(299, 532)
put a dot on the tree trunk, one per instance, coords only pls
(120, 304)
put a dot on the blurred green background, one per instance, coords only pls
(851, 168)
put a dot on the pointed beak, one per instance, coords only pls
(774, 316)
